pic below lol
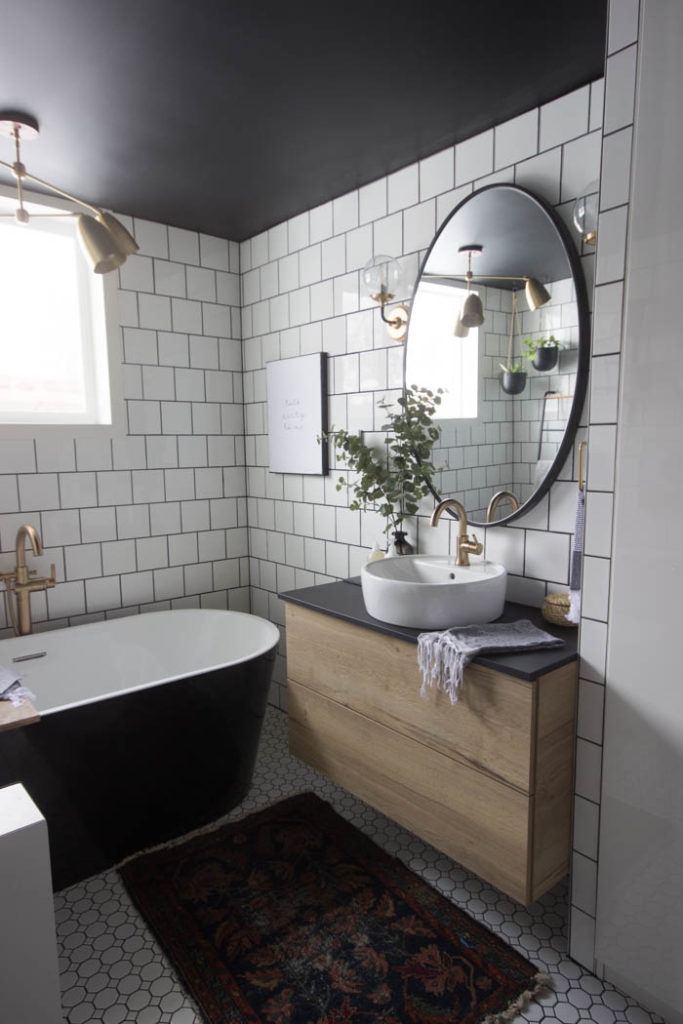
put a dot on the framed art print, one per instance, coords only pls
(297, 406)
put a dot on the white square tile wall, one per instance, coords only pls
(152, 518)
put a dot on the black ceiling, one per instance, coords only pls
(227, 116)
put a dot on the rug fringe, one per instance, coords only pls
(541, 980)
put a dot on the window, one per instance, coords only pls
(55, 365)
(436, 358)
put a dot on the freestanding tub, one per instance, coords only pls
(149, 728)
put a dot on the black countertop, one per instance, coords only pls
(344, 600)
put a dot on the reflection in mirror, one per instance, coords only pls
(492, 441)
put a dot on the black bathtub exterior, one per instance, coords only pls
(119, 775)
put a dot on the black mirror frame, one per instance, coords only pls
(584, 344)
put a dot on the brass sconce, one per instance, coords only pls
(382, 277)
(106, 242)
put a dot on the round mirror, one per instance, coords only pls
(499, 320)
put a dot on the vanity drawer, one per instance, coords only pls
(492, 726)
(434, 796)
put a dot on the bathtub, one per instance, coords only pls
(149, 728)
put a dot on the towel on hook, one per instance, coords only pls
(574, 613)
(443, 656)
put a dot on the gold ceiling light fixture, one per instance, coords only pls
(106, 242)
(472, 312)
(585, 214)
(383, 280)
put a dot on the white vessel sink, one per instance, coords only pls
(431, 592)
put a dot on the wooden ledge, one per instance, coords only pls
(15, 718)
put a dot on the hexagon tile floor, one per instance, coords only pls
(112, 969)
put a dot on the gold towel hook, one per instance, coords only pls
(582, 454)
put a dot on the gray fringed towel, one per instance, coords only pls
(443, 656)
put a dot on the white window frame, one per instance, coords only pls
(107, 286)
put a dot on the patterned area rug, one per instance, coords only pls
(293, 916)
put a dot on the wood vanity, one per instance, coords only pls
(489, 781)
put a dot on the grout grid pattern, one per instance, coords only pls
(113, 970)
(620, 85)
(157, 518)
(301, 293)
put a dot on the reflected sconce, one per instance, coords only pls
(383, 280)
(472, 312)
(585, 214)
(105, 241)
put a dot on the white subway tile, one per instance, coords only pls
(151, 237)
(190, 385)
(584, 883)
(593, 650)
(622, 26)
(419, 224)
(437, 173)
(182, 549)
(588, 770)
(164, 518)
(183, 245)
(118, 556)
(611, 245)
(214, 252)
(187, 316)
(507, 547)
(77, 490)
(591, 706)
(152, 552)
(114, 488)
(565, 118)
(173, 349)
(547, 556)
(474, 158)
(403, 188)
(154, 312)
(334, 256)
(322, 300)
(595, 587)
(9, 495)
(139, 346)
(620, 89)
(516, 139)
(93, 453)
(607, 318)
(586, 827)
(337, 559)
(320, 223)
(143, 418)
(616, 169)
(55, 456)
(201, 284)
(598, 533)
(148, 485)
(580, 165)
(137, 588)
(372, 201)
(582, 938)
(169, 278)
(137, 274)
(82, 561)
(345, 213)
(601, 456)
(98, 524)
(203, 352)
(358, 247)
(541, 174)
(323, 521)
(446, 203)
(162, 453)
(157, 382)
(66, 599)
(388, 236)
(297, 232)
(604, 389)
(17, 455)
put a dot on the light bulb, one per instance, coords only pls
(585, 214)
(382, 277)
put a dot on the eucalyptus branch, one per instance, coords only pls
(394, 484)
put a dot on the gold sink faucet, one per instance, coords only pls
(496, 500)
(465, 547)
(20, 584)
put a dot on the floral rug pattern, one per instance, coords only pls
(292, 916)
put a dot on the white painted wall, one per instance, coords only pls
(639, 933)
(29, 980)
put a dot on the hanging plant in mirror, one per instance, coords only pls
(543, 353)
(393, 479)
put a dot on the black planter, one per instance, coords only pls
(545, 358)
(513, 383)
(400, 545)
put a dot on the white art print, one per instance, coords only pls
(297, 399)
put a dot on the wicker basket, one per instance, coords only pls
(555, 608)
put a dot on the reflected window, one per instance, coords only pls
(447, 362)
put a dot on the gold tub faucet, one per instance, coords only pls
(496, 500)
(465, 547)
(19, 585)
